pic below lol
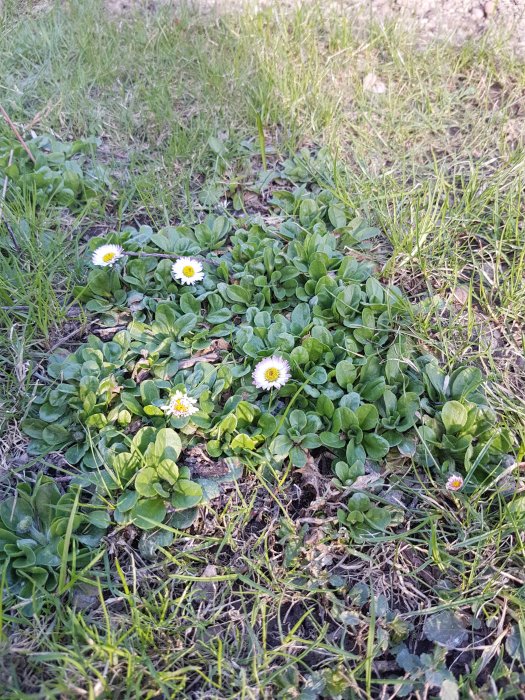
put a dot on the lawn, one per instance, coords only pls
(363, 190)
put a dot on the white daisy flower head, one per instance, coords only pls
(187, 270)
(454, 482)
(271, 373)
(107, 255)
(180, 405)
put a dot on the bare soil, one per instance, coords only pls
(458, 20)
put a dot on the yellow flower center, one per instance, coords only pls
(108, 257)
(188, 271)
(271, 374)
(456, 483)
(179, 406)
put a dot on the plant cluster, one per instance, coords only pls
(198, 316)
(60, 173)
(42, 531)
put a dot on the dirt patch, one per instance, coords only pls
(457, 20)
(119, 7)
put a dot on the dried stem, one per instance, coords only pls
(16, 133)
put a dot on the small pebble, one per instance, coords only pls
(477, 13)
(371, 83)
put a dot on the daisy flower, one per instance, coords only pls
(106, 255)
(187, 270)
(271, 373)
(180, 405)
(454, 483)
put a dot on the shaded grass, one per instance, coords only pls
(254, 602)
(257, 601)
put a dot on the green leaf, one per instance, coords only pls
(436, 377)
(184, 324)
(464, 381)
(131, 403)
(182, 519)
(378, 518)
(298, 456)
(308, 212)
(317, 376)
(331, 440)
(242, 442)
(148, 513)
(347, 301)
(144, 482)
(56, 435)
(166, 315)
(281, 446)
(317, 269)
(149, 392)
(336, 216)
(300, 319)
(16, 514)
(50, 413)
(297, 419)
(238, 294)
(188, 304)
(99, 519)
(45, 497)
(342, 471)
(454, 416)
(168, 471)
(219, 316)
(127, 500)
(34, 427)
(446, 629)
(368, 416)
(186, 494)
(168, 445)
(325, 406)
(152, 411)
(310, 441)
(267, 424)
(345, 373)
(300, 356)
(376, 446)
(359, 502)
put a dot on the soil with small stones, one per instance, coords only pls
(458, 20)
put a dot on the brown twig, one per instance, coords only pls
(16, 133)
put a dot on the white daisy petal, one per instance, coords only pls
(187, 270)
(454, 482)
(180, 405)
(107, 255)
(271, 373)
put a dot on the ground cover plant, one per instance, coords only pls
(269, 455)
(235, 346)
